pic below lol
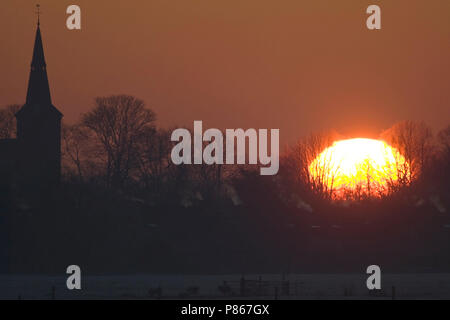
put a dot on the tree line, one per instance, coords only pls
(117, 145)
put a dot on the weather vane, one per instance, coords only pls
(38, 6)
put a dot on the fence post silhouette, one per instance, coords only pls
(242, 287)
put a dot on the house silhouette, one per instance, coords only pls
(33, 159)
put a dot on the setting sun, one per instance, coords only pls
(357, 166)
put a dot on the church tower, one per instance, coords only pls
(39, 126)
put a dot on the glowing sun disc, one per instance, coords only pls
(364, 165)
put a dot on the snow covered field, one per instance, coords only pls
(302, 286)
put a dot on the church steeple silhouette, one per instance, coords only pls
(38, 88)
(39, 125)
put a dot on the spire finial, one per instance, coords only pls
(38, 12)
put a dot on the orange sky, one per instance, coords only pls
(296, 65)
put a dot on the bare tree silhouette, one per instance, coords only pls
(444, 140)
(414, 140)
(299, 159)
(8, 121)
(119, 123)
(154, 159)
(80, 152)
